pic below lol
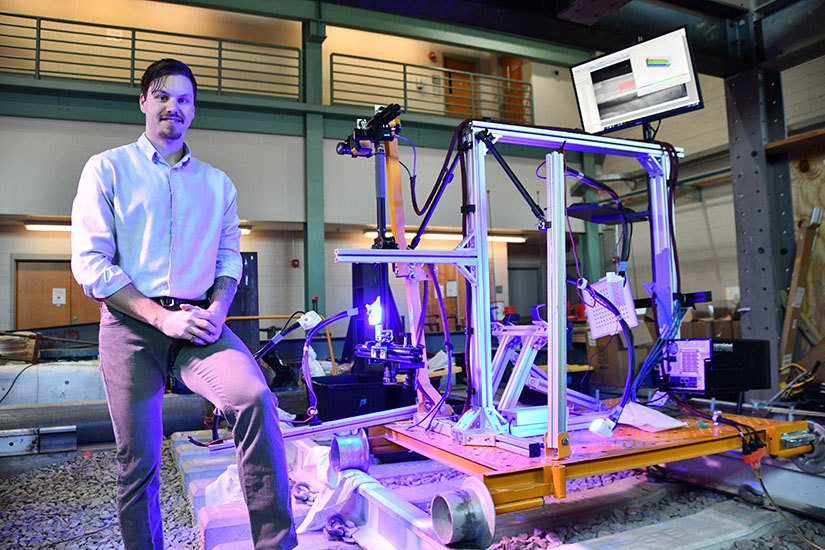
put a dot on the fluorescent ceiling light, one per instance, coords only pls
(246, 230)
(506, 239)
(454, 237)
(33, 226)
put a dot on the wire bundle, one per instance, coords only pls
(448, 346)
(312, 410)
(656, 354)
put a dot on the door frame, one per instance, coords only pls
(17, 257)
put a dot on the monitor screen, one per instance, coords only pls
(647, 81)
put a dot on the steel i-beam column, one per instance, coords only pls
(312, 88)
(762, 204)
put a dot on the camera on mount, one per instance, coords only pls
(370, 131)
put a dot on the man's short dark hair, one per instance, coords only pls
(162, 68)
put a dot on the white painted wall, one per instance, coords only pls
(553, 98)
(42, 160)
(803, 89)
(706, 241)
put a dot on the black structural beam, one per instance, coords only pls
(789, 30)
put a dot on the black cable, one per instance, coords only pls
(631, 352)
(405, 168)
(656, 131)
(456, 134)
(757, 470)
(432, 413)
(590, 361)
(468, 288)
(271, 344)
(720, 418)
(434, 203)
(487, 138)
(654, 356)
(15, 380)
(698, 415)
(448, 345)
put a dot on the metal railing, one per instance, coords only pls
(356, 80)
(46, 47)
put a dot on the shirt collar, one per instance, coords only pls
(152, 154)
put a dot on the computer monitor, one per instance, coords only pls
(647, 81)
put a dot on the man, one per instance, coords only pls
(155, 238)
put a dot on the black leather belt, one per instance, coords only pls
(169, 302)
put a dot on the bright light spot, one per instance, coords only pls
(374, 312)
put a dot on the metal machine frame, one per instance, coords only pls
(485, 419)
(520, 458)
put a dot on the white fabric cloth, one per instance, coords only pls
(331, 500)
(647, 419)
(226, 488)
(135, 219)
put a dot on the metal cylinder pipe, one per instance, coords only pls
(92, 420)
(348, 453)
(464, 516)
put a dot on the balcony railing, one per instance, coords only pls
(46, 47)
(358, 80)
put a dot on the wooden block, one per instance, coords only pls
(21, 346)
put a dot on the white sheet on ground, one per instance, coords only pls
(647, 419)
(331, 500)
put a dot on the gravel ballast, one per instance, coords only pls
(70, 505)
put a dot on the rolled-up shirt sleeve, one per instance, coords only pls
(93, 232)
(228, 262)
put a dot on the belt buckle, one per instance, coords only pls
(166, 301)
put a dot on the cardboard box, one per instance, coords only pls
(609, 361)
(701, 329)
(723, 328)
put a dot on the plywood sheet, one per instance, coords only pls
(808, 187)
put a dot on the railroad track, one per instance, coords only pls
(641, 513)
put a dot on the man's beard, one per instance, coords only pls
(170, 133)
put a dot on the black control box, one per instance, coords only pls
(710, 366)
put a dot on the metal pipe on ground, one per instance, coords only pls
(92, 420)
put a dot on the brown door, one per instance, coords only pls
(512, 97)
(453, 293)
(47, 295)
(459, 89)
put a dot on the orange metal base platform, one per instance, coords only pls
(517, 482)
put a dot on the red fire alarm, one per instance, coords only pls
(431, 55)
(296, 263)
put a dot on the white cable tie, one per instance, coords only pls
(309, 320)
